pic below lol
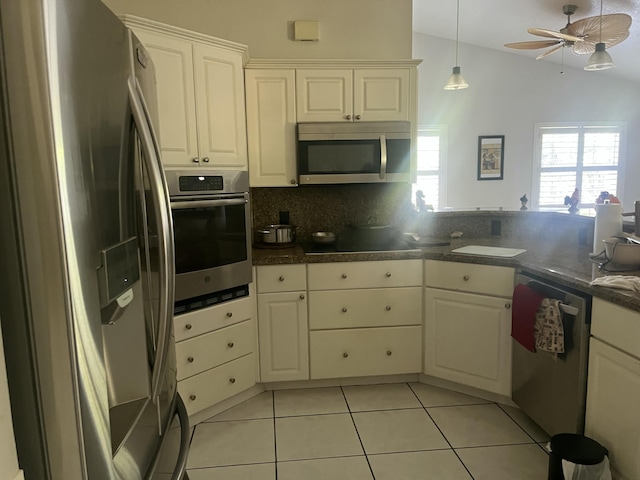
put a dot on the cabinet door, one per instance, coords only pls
(381, 94)
(271, 127)
(284, 344)
(173, 61)
(324, 95)
(467, 339)
(613, 398)
(219, 94)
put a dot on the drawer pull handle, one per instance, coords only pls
(345, 354)
(344, 309)
(192, 397)
(281, 278)
(232, 380)
(302, 297)
(344, 275)
(389, 352)
(230, 344)
(188, 326)
(229, 314)
(388, 308)
(190, 359)
(466, 278)
(388, 274)
(507, 305)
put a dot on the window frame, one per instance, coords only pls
(579, 127)
(441, 131)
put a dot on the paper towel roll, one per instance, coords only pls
(608, 222)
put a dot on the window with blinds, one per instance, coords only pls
(430, 166)
(584, 156)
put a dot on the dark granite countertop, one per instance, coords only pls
(566, 264)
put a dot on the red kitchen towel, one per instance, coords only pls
(523, 315)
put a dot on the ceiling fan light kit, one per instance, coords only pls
(456, 82)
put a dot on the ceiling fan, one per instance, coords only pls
(581, 35)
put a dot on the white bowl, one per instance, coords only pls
(622, 252)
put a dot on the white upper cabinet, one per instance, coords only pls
(200, 86)
(271, 127)
(339, 95)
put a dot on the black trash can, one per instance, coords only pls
(574, 448)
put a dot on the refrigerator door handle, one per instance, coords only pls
(185, 439)
(162, 206)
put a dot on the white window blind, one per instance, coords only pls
(430, 165)
(583, 156)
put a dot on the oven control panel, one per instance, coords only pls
(196, 183)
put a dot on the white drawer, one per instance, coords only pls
(385, 273)
(281, 278)
(212, 386)
(374, 307)
(206, 351)
(365, 351)
(470, 277)
(616, 325)
(196, 323)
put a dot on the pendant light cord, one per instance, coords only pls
(600, 21)
(458, 28)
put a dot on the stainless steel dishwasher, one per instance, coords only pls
(551, 389)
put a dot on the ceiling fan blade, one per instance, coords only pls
(550, 51)
(534, 44)
(615, 29)
(587, 47)
(543, 32)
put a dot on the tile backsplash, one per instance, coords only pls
(335, 207)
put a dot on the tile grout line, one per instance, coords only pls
(441, 432)
(364, 452)
(514, 421)
(275, 437)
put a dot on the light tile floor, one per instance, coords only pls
(398, 431)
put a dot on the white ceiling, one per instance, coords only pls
(492, 23)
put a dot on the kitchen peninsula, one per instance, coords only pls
(557, 247)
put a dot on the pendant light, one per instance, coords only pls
(456, 82)
(600, 59)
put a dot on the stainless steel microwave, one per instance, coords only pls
(357, 152)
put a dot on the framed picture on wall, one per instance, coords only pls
(490, 157)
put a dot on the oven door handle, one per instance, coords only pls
(383, 157)
(208, 203)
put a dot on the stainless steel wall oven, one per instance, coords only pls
(211, 223)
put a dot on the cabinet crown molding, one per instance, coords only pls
(134, 22)
(331, 63)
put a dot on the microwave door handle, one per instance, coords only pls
(160, 201)
(207, 203)
(383, 157)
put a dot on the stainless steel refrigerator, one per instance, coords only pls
(86, 252)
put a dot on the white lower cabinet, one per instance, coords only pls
(282, 322)
(468, 324)
(217, 384)
(215, 352)
(467, 339)
(365, 351)
(365, 318)
(284, 347)
(613, 386)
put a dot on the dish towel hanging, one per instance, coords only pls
(523, 315)
(548, 328)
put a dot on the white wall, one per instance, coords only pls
(507, 95)
(347, 28)
(8, 460)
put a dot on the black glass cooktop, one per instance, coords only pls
(354, 247)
